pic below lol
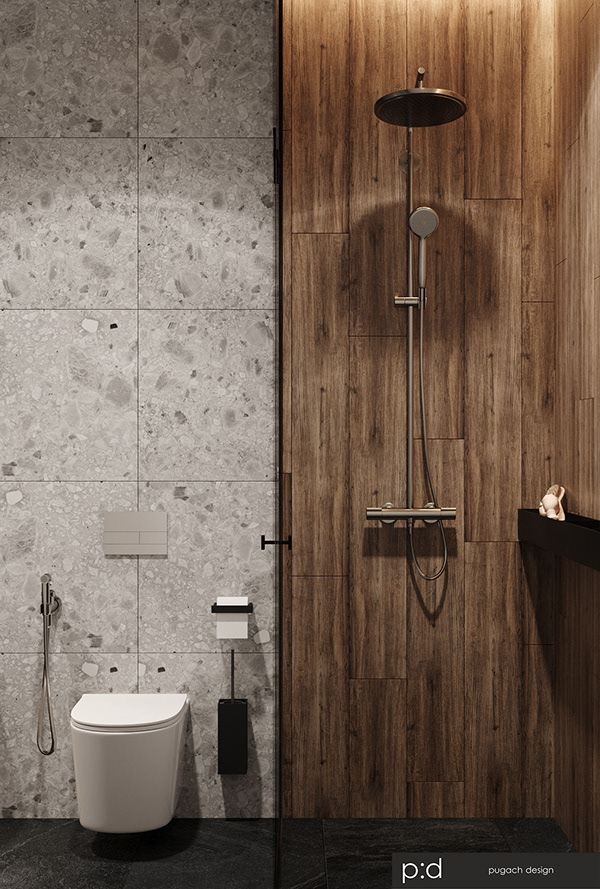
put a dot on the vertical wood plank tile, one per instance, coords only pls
(320, 724)
(493, 91)
(320, 404)
(436, 799)
(285, 611)
(440, 183)
(587, 248)
(377, 476)
(377, 748)
(568, 84)
(567, 377)
(320, 97)
(285, 381)
(582, 500)
(493, 370)
(537, 398)
(538, 731)
(378, 227)
(493, 681)
(538, 581)
(285, 42)
(539, 211)
(436, 629)
(575, 718)
(596, 456)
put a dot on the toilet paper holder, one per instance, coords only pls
(232, 616)
(232, 609)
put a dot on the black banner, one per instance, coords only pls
(496, 870)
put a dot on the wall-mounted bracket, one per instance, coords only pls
(264, 542)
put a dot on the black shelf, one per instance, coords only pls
(577, 538)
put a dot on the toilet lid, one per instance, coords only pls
(127, 712)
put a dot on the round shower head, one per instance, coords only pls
(420, 107)
(423, 222)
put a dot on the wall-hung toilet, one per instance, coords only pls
(127, 752)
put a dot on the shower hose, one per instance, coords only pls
(48, 606)
(426, 461)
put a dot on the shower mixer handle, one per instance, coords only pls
(389, 513)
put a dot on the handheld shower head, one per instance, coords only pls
(423, 222)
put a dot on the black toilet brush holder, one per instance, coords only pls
(232, 732)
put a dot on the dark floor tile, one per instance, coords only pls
(376, 838)
(359, 851)
(55, 852)
(16, 831)
(221, 854)
(534, 835)
(344, 872)
(302, 854)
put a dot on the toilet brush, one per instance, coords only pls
(232, 731)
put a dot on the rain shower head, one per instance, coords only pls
(423, 222)
(420, 107)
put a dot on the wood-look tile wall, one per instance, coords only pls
(577, 691)
(403, 697)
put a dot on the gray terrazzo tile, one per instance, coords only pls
(68, 68)
(206, 395)
(32, 785)
(206, 70)
(214, 550)
(206, 224)
(67, 223)
(56, 528)
(67, 395)
(206, 679)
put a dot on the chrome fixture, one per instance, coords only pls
(429, 513)
(50, 605)
(418, 107)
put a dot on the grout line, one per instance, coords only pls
(138, 308)
(92, 137)
(137, 319)
(98, 652)
(14, 480)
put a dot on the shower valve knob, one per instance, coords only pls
(388, 521)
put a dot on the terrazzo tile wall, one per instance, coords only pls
(137, 372)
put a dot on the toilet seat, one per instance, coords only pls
(127, 713)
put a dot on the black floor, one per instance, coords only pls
(230, 854)
(357, 853)
(186, 854)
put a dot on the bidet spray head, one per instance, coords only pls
(422, 222)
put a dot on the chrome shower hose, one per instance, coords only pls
(426, 461)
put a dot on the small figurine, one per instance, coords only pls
(551, 505)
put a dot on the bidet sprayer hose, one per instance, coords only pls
(50, 604)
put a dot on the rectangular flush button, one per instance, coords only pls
(135, 533)
(121, 537)
(153, 537)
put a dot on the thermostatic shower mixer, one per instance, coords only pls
(389, 514)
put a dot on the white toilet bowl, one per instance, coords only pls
(127, 751)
